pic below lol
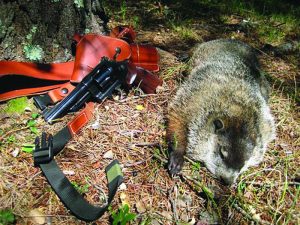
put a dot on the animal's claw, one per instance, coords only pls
(175, 162)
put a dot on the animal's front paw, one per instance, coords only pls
(175, 162)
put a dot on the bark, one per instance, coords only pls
(49, 24)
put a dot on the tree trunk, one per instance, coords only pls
(42, 31)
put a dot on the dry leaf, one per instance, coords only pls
(108, 155)
(96, 165)
(155, 222)
(192, 221)
(139, 107)
(140, 207)
(95, 125)
(69, 172)
(167, 215)
(28, 109)
(122, 187)
(116, 97)
(184, 216)
(15, 152)
(124, 199)
(37, 216)
(72, 147)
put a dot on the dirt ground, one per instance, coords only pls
(131, 127)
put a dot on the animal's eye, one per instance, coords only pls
(218, 124)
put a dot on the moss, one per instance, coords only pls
(79, 3)
(33, 52)
(17, 105)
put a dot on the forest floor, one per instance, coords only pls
(131, 127)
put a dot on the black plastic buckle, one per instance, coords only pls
(43, 152)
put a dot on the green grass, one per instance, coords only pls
(273, 19)
(185, 31)
(296, 200)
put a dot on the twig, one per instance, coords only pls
(271, 185)
(61, 216)
(12, 131)
(280, 24)
(261, 51)
(137, 163)
(142, 144)
(250, 217)
(135, 97)
(173, 203)
(112, 124)
(30, 179)
(160, 158)
(16, 130)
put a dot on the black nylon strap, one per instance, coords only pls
(74, 201)
(60, 140)
(70, 197)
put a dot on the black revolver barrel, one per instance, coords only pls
(80, 93)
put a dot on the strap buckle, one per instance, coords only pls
(43, 152)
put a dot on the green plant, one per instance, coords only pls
(28, 148)
(11, 139)
(241, 187)
(80, 188)
(146, 221)
(135, 21)
(6, 217)
(196, 166)
(30, 35)
(122, 216)
(32, 123)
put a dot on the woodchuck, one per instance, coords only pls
(220, 116)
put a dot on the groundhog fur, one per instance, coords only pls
(220, 116)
